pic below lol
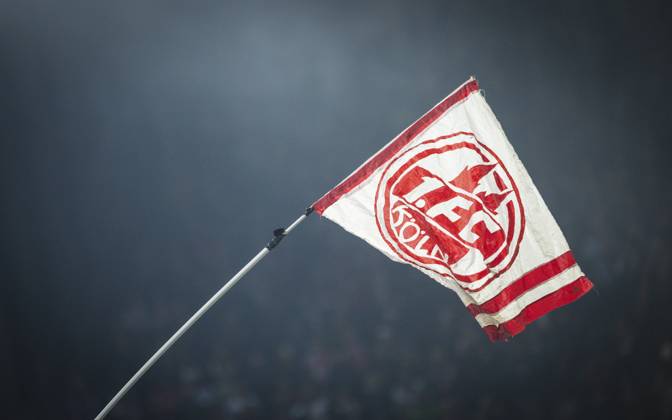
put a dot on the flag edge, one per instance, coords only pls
(532, 312)
(392, 148)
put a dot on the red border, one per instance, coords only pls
(561, 297)
(538, 308)
(532, 279)
(388, 152)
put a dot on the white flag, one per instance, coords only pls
(449, 196)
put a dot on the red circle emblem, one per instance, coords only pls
(449, 205)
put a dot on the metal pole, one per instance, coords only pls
(278, 234)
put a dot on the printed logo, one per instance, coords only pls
(449, 205)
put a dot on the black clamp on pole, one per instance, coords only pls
(278, 234)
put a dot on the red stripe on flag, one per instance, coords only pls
(526, 282)
(536, 310)
(389, 151)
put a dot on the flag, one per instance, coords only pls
(450, 197)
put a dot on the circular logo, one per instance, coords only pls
(449, 205)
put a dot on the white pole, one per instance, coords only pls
(278, 235)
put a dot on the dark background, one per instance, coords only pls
(150, 147)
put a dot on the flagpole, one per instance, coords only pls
(278, 235)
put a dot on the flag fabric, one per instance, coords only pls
(450, 197)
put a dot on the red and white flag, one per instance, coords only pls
(449, 196)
